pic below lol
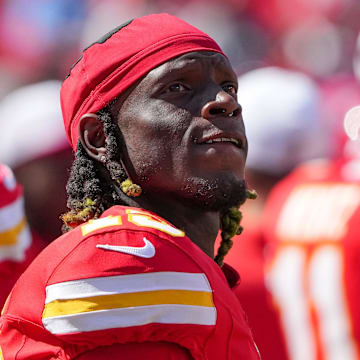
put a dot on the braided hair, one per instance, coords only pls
(230, 226)
(89, 195)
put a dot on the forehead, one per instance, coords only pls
(193, 62)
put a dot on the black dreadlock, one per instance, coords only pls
(89, 196)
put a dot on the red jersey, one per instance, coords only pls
(312, 228)
(128, 277)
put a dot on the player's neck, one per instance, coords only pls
(199, 225)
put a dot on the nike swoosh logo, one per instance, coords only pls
(147, 251)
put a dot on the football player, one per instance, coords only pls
(151, 111)
(18, 244)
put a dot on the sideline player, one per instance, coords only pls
(153, 101)
(17, 247)
(311, 226)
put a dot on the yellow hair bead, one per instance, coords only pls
(130, 189)
(251, 194)
(89, 202)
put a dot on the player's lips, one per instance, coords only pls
(236, 139)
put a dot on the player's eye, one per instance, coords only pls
(176, 88)
(230, 88)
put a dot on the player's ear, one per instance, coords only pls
(92, 136)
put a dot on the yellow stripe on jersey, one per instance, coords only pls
(146, 221)
(10, 237)
(147, 298)
(93, 225)
(1, 354)
(128, 300)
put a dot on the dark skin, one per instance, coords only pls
(166, 120)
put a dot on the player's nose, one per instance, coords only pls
(223, 105)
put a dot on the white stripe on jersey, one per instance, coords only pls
(120, 284)
(120, 318)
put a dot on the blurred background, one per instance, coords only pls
(41, 39)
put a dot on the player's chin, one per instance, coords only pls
(228, 196)
(220, 194)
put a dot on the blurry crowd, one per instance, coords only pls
(42, 39)
(298, 62)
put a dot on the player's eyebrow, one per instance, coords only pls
(218, 61)
(189, 63)
(173, 68)
(191, 59)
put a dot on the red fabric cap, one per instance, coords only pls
(107, 69)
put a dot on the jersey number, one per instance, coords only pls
(136, 217)
(306, 275)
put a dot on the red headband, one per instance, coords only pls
(115, 62)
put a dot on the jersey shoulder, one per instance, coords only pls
(129, 276)
(124, 240)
